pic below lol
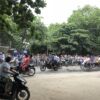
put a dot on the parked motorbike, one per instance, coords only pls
(18, 89)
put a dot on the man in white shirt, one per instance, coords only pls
(56, 58)
(5, 71)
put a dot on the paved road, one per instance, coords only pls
(65, 86)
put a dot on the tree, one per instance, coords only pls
(21, 12)
(87, 18)
(38, 36)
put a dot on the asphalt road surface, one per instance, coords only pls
(65, 84)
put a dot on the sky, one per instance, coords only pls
(58, 11)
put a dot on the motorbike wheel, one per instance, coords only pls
(31, 72)
(23, 94)
(42, 68)
(55, 68)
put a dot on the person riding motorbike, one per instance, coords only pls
(56, 60)
(25, 62)
(5, 72)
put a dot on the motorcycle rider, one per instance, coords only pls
(5, 72)
(25, 62)
(56, 59)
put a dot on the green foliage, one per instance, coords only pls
(80, 35)
(38, 36)
(18, 23)
(16, 17)
(88, 19)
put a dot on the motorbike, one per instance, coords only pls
(29, 71)
(51, 65)
(89, 66)
(19, 91)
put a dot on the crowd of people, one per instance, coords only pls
(39, 59)
(24, 59)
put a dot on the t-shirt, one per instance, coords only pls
(2, 67)
(25, 62)
(56, 58)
